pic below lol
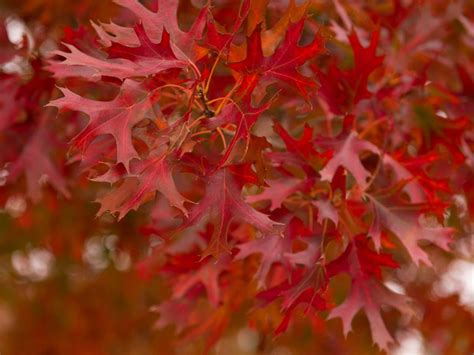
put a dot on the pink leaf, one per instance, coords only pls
(277, 191)
(223, 203)
(347, 155)
(367, 293)
(272, 248)
(116, 117)
(406, 226)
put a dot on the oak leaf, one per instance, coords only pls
(407, 226)
(121, 62)
(282, 65)
(146, 178)
(116, 117)
(223, 203)
(347, 148)
(165, 19)
(367, 293)
(35, 162)
(343, 89)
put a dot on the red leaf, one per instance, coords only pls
(347, 148)
(123, 62)
(326, 210)
(10, 109)
(243, 117)
(146, 177)
(116, 117)
(207, 275)
(366, 293)
(221, 41)
(272, 248)
(165, 19)
(304, 147)
(179, 313)
(223, 203)
(344, 89)
(277, 191)
(406, 226)
(36, 164)
(283, 64)
(300, 152)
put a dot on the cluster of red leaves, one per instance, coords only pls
(29, 134)
(273, 148)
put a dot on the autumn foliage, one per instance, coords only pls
(273, 164)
